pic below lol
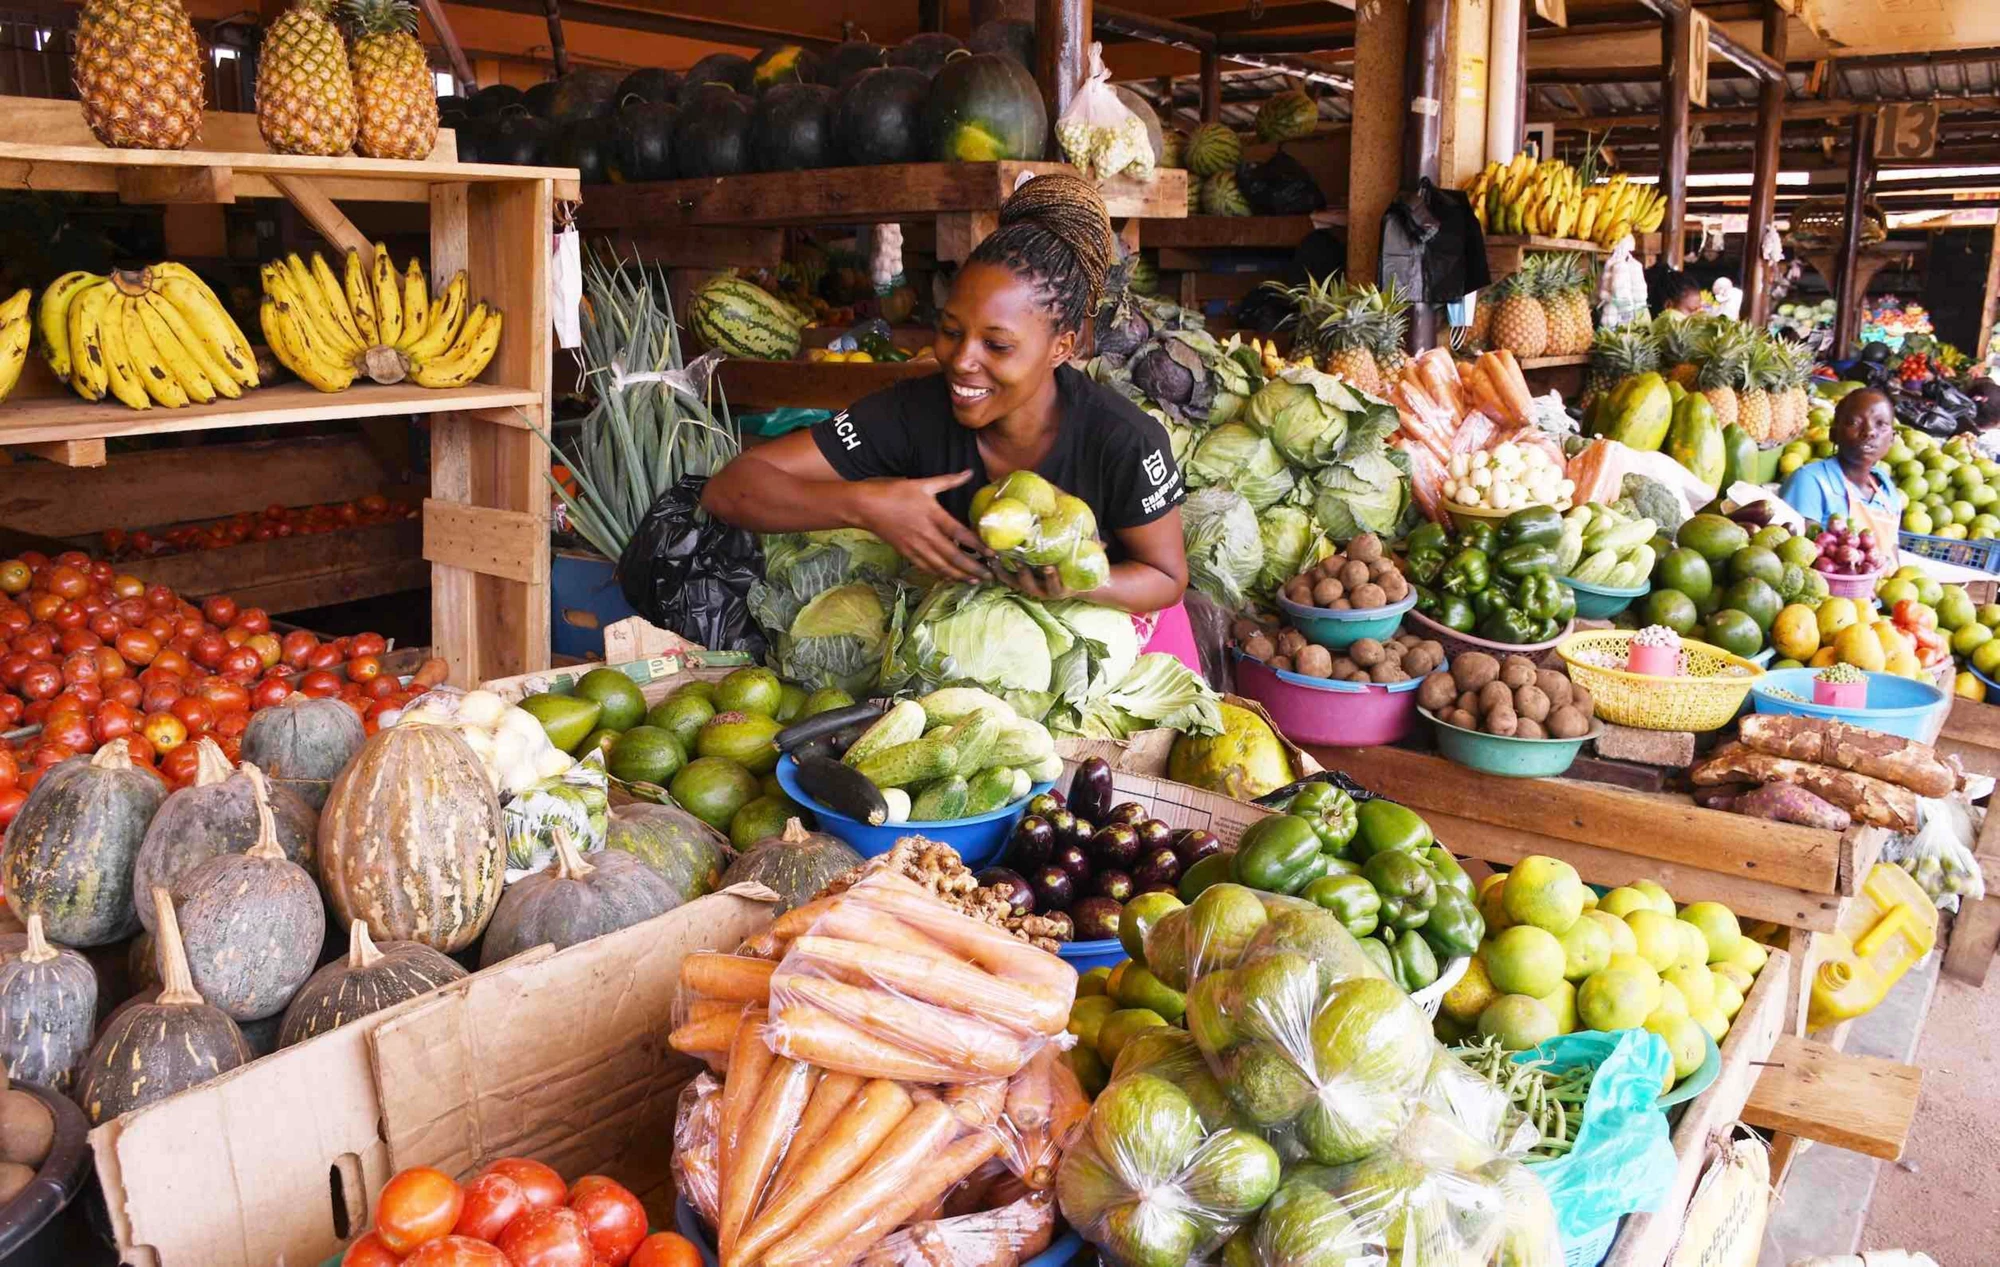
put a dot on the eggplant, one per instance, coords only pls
(824, 725)
(1158, 866)
(1010, 885)
(1116, 885)
(1074, 860)
(1153, 833)
(1032, 843)
(1063, 824)
(1115, 846)
(1095, 918)
(1090, 790)
(1194, 844)
(1053, 888)
(1127, 812)
(1752, 514)
(842, 789)
(1046, 803)
(1060, 921)
(1079, 833)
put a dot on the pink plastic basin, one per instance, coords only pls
(1862, 586)
(1312, 710)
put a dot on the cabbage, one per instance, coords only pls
(1305, 413)
(1097, 626)
(827, 605)
(1225, 548)
(1368, 494)
(1237, 458)
(990, 637)
(837, 640)
(1158, 691)
(1292, 541)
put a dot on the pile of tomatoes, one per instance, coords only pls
(91, 655)
(276, 521)
(515, 1213)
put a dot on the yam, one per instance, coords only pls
(1314, 661)
(1366, 653)
(1904, 762)
(1473, 670)
(1367, 595)
(1567, 723)
(1501, 721)
(1326, 591)
(1876, 802)
(1783, 803)
(1530, 703)
(1437, 692)
(1517, 670)
(1495, 695)
(1528, 728)
(27, 1129)
(1554, 685)
(1367, 547)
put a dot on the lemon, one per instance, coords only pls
(1718, 928)
(1662, 901)
(1683, 1036)
(1735, 974)
(1712, 1021)
(1470, 996)
(1617, 998)
(1586, 948)
(1672, 1001)
(1519, 1021)
(1658, 936)
(1545, 892)
(1622, 941)
(1694, 984)
(1749, 955)
(1525, 960)
(1561, 1003)
(1006, 524)
(1728, 999)
(1694, 947)
(1622, 901)
(1493, 906)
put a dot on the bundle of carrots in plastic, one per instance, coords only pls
(894, 1062)
(1448, 407)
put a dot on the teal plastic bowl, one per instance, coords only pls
(1896, 705)
(1338, 630)
(1505, 755)
(1602, 602)
(1701, 1079)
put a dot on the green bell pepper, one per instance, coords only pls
(1525, 559)
(1399, 875)
(1350, 898)
(1330, 811)
(1542, 595)
(1467, 573)
(1487, 601)
(1386, 826)
(1379, 955)
(1400, 914)
(1533, 525)
(1454, 612)
(1565, 605)
(1415, 965)
(1427, 598)
(1276, 853)
(1480, 536)
(1449, 875)
(1341, 866)
(1426, 551)
(1315, 869)
(1455, 926)
(1509, 625)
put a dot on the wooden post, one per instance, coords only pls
(1211, 86)
(1987, 306)
(1423, 131)
(558, 51)
(1860, 172)
(461, 69)
(1764, 188)
(984, 11)
(1521, 80)
(1062, 45)
(1505, 49)
(1674, 33)
(930, 15)
(1375, 164)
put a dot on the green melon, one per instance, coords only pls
(824, 700)
(750, 691)
(645, 754)
(744, 738)
(1288, 116)
(1213, 148)
(986, 108)
(681, 715)
(791, 702)
(713, 789)
(620, 703)
(741, 319)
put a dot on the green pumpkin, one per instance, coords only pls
(796, 864)
(70, 852)
(745, 738)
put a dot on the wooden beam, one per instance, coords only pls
(1211, 86)
(1847, 318)
(1674, 106)
(558, 48)
(176, 185)
(485, 540)
(1423, 130)
(320, 212)
(1764, 191)
(1062, 52)
(461, 69)
(1975, 935)
(595, 13)
(1375, 160)
(1811, 1089)
(69, 452)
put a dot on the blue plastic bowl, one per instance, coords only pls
(1060, 1251)
(1085, 955)
(1602, 602)
(1896, 705)
(1337, 630)
(978, 840)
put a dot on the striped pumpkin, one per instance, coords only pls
(741, 319)
(48, 1008)
(70, 852)
(369, 979)
(411, 841)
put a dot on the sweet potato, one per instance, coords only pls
(1783, 803)
(1869, 800)
(1904, 762)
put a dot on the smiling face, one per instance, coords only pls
(998, 344)
(1864, 426)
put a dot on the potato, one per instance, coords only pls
(1528, 728)
(1530, 703)
(1326, 591)
(1281, 662)
(1342, 604)
(1259, 647)
(1394, 588)
(1461, 718)
(1501, 721)
(1243, 629)
(1289, 642)
(1433, 646)
(1354, 573)
(1393, 650)
(1438, 693)
(1493, 696)
(1517, 670)
(1367, 548)
(1567, 723)
(1343, 667)
(1418, 660)
(1300, 591)
(1580, 700)
(1388, 671)
(1379, 568)
(1469, 701)
(1368, 594)
(27, 1128)
(1365, 652)
(13, 1178)
(1473, 670)
(1555, 685)
(1359, 675)
(1313, 661)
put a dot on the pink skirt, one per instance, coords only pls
(1173, 634)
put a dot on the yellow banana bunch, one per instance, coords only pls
(373, 321)
(149, 336)
(16, 329)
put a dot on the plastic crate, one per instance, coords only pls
(1984, 555)
(584, 597)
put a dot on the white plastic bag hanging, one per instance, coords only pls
(1099, 135)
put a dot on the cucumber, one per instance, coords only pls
(899, 804)
(990, 789)
(956, 703)
(940, 802)
(902, 724)
(907, 764)
(1021, 743)
(842, 790)
(975, 737)
(1046, 770)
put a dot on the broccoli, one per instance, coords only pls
(1653, 500)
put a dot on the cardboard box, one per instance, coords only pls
(656, 675)
(556, 1055)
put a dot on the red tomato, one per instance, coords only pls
(161, 598)
(46, 754)
(296, 645)
(44, 606)
(78, 700)
(137, 645)
(540, 1184)
(180, 762)
(65, 581)
(418, 1205)
(128, 692)
(232, 724)
(41, 681)
(236, 635)
(320, 684)
(194, 713)
(193, 628)
(11, 707)
(100, 574)
(105, 625)
(242, 664)
(612, 1217)
(369, 1251)
(71, 641)
(10, 769)
(140, 749)
(269, 691)
(547, 1238)
(324, 656)
(224, 696)
(219, 609)
(255, 619)
(382, 688)
(383, 712)
(15, 576)
(368, 644)
(113, 721)
(125, 585)
(14, 620)
(12, 667)
(79, 668)
(457, 1251)
(491, 1203)
(664, 1249)
(111, 666)
(71, 615)
(209, 650)
(35, 559)
(11, 801)
(70, 731)
(172, 661)
(364, 668)
(267, 647)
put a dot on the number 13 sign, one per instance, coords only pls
(1906, 129)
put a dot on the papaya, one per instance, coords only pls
(1739, 456)
(1695, 441)
(1639, 412)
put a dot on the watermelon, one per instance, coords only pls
(984, 108)
(712, 133)
(879, 117)
(1139, 106)
(792, 128)
(1009, 37)
(927, 52)
(515, 137)
(850, 59)
(589, 145)
(717, 68)
(1221, 197)
(784, 64)
(453, 111)
(585, 94)
(538, 98)
(488, 102)
(1173, 148)
(645, 140)
(1214, 147)
(741, 319)
(1287, 116)
(649, 85)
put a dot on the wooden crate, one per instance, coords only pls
(486, 521)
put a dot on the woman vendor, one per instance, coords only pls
(1853, 483)
(905, 462)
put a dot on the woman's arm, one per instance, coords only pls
(1152, 579)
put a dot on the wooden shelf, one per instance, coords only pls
(812, 384)
(72, 418)
(1199, 233)
(1554, 362)
(1537, 242)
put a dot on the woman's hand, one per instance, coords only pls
(1044, 583)
(906, 514)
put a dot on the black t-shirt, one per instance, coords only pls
(1108, 451)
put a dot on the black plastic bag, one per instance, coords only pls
(1280, 186)
(690, 573)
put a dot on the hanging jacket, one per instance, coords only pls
(1432, 245)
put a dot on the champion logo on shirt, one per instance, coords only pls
(1155, 466)
(844, 428)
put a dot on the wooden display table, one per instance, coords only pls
(486, 528)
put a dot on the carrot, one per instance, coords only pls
(830, 1099)
(432, 672)
(736, 977)
(966, 1043)
(977, 1104)
(991, 948)
(890, 1175)
(704, 1009)
(708, 1034)
(799, 920)
(1030, 1094)
(749, 1061)
(877, 1110)
(896, 1192)
(765, 1132)
(804, 1032)
(856, 923)
(959, 987)
(1513, 387)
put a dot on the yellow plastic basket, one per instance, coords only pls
(1707, 695)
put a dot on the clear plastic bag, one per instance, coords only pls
(1099, 135)
(1939, 856)
(696, 1176)
(1028, 522)
(575, 802)
(994, 1237)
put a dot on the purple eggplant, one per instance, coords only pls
(1064, 929)
(1194, 844)
(1095, 918)
(1114, 846)
(1153, 833)
(1032, 843)
(1090, 790)
(1157, 866)
(1126, 812)
(1010, 885)
(1079, 833)
(1054, 888)
(1046, 803)
(1074, 860)
(1116, 885)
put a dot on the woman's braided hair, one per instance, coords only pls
(1055, 234)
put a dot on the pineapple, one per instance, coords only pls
(1756, 403)
(1789, 402)
(1679, 339)
(305, 92)
(1390, 327)
(1520, 325)
(392, 81)
(1346, 336)
(1569, 325)
(1619, 353)
(1724, 353)
(1578, 297)
(138, 70)
(1482, 319)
